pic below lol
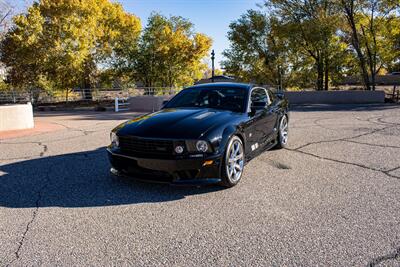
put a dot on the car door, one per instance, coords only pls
(272, 116)
(256, 130)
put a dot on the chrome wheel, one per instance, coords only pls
(284, 130)
(234, 160)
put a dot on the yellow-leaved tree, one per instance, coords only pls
(170, 53)
(61, 43)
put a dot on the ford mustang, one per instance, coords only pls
(203, 135)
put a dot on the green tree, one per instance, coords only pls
(372, 30)
(208, 73)
(320, 40)
(63, 42)
(256, 54)
(310, 28)
(170, 53)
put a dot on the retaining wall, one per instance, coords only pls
(336, 97)
(146, 103)
(16, 117)
(154, 103)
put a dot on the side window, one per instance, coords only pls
(271, 96)
(259, 95)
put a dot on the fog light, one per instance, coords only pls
(202, 146)
(179, 149)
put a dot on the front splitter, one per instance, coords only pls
(193, 182)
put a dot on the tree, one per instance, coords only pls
(320, 40)
(6, 12)
(208, 73)
(257, 53)
(170, 53)
(372, 24)
(293, 44)
(310, 28)
(63, 42)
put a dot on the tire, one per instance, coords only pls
(283, 133)
(233, 162)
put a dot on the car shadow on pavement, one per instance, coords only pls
(80, 180)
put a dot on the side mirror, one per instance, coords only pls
(280, 95)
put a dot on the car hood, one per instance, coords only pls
(176, 123)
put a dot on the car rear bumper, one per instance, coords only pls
(188, 171)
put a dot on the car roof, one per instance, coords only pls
(245, 86)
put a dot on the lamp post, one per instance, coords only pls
(213, 67)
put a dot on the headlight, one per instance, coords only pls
(114, 140)
(202, 146)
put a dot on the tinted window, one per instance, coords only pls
(219, 98)
(259, 95)
(271, 95)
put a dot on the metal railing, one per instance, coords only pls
(121, 104)
(37, 96)
(395, 95)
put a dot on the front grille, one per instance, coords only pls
(139, 146)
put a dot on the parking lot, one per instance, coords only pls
(332, 198)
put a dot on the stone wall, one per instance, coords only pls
(336, 97)
(146, 103)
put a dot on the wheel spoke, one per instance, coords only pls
(239, 157)
(284, 126)
(230, 172)
(234, 161)
(236, 149)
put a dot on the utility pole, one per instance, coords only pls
(213, 67)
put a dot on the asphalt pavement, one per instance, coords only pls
(332, 198)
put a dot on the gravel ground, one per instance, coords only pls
(332, 199)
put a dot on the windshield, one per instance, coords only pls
(224, 98)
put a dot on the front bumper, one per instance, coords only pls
(182, 171)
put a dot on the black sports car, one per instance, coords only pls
(203, 135)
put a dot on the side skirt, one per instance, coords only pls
(261, 150)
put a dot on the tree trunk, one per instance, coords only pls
(87, 90)
(87, 85)
(362, 61)
(371, 59)
(326, 73)
(349, 12)
(320, 74)
(66, 95)
(373, 81)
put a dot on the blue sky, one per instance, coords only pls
(211, 17)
